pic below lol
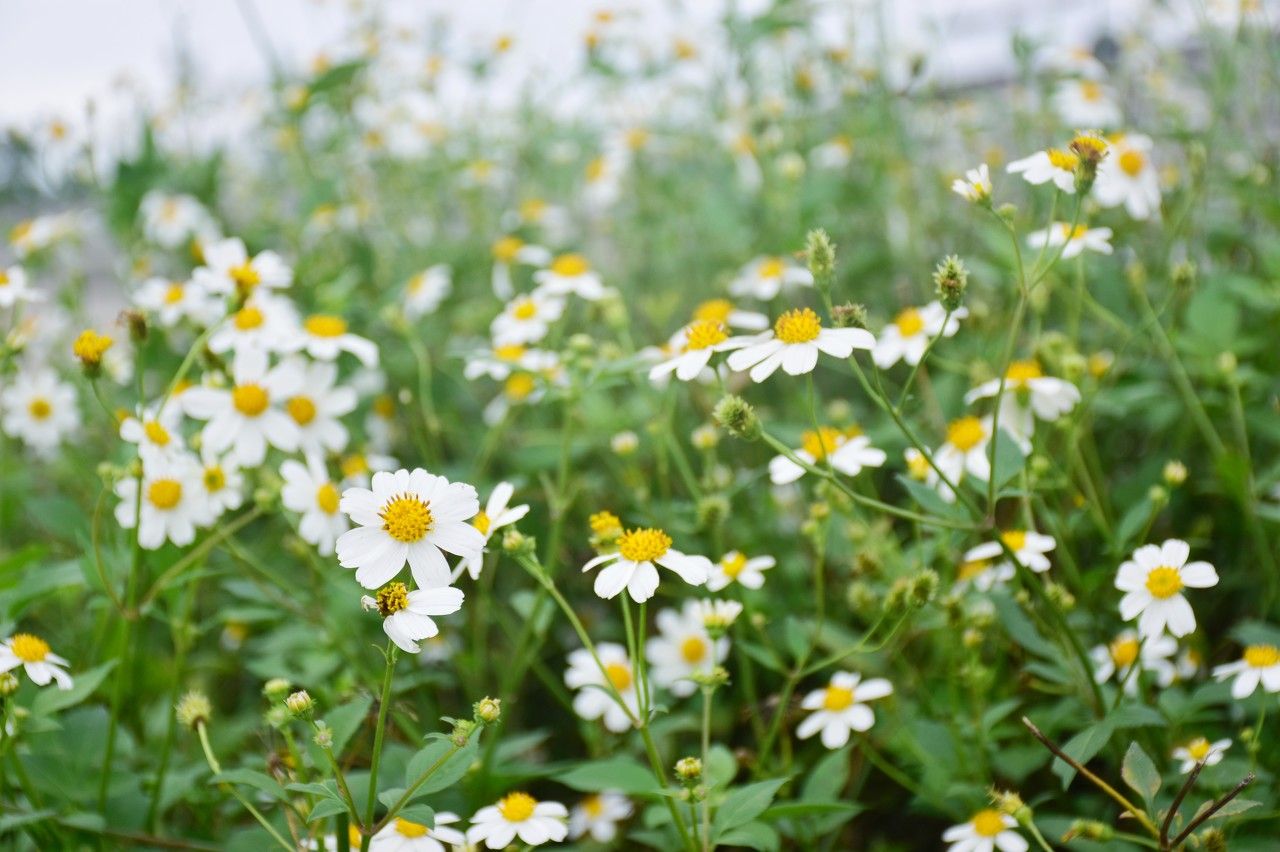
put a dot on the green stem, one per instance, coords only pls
(384, 702)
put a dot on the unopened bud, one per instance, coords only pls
(849, 315)
(193, 709)
(689, 771)
(1175, 473)
(821, 256)
(488, 709)
(736, 416)
(8, 684)
(275, 689)
(89, 348)
(300, 703)
(951, 277)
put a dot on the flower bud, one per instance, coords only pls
(136, 322)
(8, 684)
(517, 543)
(1175, 473)
(488, 710)
(1090, 149)
(461, 732)
(820, 254)
(300, 703)
(689, 771)
(849, 315)
(324, 735)
(275, 689)
(736, 416)
(89, 348)
(951, 277)
(624, 443)
(193, 709)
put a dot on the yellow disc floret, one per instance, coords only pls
(28, 648)
(406, 518)
(327, 498)
(250, 400)
(1262, 656)
(837, 698)
(909, 322)
(570, 265)
(798, 326)
(301, 409)
(517, 807)
(702, 334)
(693, 649)
(1164, 582)
(643, 545)
(164, 493)
(325, 325)
(988, 823)
(392, 598)
(966, 433)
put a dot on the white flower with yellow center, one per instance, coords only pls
(794, 343)
(170, 221)
(631, 566)
(836, 153)
(987, 831)
(173, 501)
(1053, 165)
(526, 318)
(33, 654)
(507, 252)
(570, 274)
(1199, 750)
(407, 615)
(310, 492)
(228, 269)
(39, 409)
(1259, 664)
(402, 835)
(1086, 103)
(358, 468)
(1128, 177)
(736, 567)
(155, 431)
(1029, 548)
(683, 649)
(15, 288)
(171, 302)
(414, 517)
(519, 815)
(717, 616)
(983, 574)
(250, 415)
(1117, 658)
(595, 688)
(598, 816)
(975, 186)
(767, 276)
(265, 322)
(1074, 240)
(1028, 394)
(496, 514)
(847, 450)
(963, 452)
(223, 484)
(325, 336)
(502, 360)
(316, 407)
(840, 707)
(697, 342)
(1153, 580)
(426, 290)
(731, 316)
(34, 235)
(908, 336)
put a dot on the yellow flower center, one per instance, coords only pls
(301, 409)
(245, 276)
(327, 498)
(570, 265)
(643, 545)
(250, 400)
(595, 169)
(837, 698)
(214, 479)
(392, 598)
(525, 309)
(702, 334)
(733, 564)
(1090, 91)
(173, 294)
(1063, 160)
(1021, 372)
(248, 318)
(1076, 233)
(354, 465)
(509, 353)
(966, 433)
(909, 323)
(1015, 540)
(384, 405)
(818, 444)
(593, 806)
(1164, 582)
(325, 325)
(770, 267)
(405, 828)
(156, 433)
(533, 209)
(1262, 656)
(988, 823)
(505, 249)
(1124, 651)
(1132, 163)
(40, 408)
(714, 310)
(28, 648)
(693, 649)
(90, 346)
(604, 522)
(619, 675)
(918, 467)
(1198, 749)
(969, 570)
(164, 493)
(519, 386)
(797, 326)
(406, 518)
(4, 278)
(481, 522)
(517, 807)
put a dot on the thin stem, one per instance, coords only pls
(1218, 805)
(1177, 803)
(203, 733)
(384, 702)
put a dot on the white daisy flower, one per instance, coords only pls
(983, 574)
(848, 451)
(1086, 103)
(33, 235)
(526, 318)
(33, 654)
(156, 432)
(683, 649)
(724, 311)
(223, 484)
(229, 269)
(1117, 659)
(736, 567)
(39, 409)
(975, 186)
(1028, 394)
(324, 336)
(1128, 177)
(310, 492)
(594, 700)
(1153, 581)
(766, 277)
(426, 290)
(1053, 165)
(358, 468)
(964, 451)
(1260, 664)
(717, 616)
(631, 566)
(249, 416)
(570, 274)
(414, 517)
(316, 407)
(794, 343)
(908, 336)
(987, 831)
(406, 615)
(1028, 546)
(402, 835)
(496, 514)
(519, 815)
(15, 288)
(507, 252)
(265, 322)
(598, 816)
(697, 342)
(1076, 241)
(834, 154)
(840, 707)
(1200, 750)
(170, 221)
(501, 361)
(171, 302)
(173, 501)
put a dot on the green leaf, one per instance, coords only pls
(327, 790)
(744, 804)
(326, 808)
(753, 835)
(791, 810)
(1135, 716)
(448, 773)
(344, 721)
(419, 813)
(1020, 628)
(252, 778)
(614, 773)
(827, 778)
(931, 501)
(1083, 747)
(1230, 809)
(1140, 773)
(1008, 459)
(52, 700)
(721, 767)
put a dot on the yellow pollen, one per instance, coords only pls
(988, 823)
(918, 467)
(1164, 582)
(797, 326)
(770, 267)
(406, 518)
(733, 564)
(156, 433)
(525, 309)
(966, 433)
(481, 522)
(702, 334)
(1262, 656)
(1021, 372)
(90, 346)
(509, 353)
(39, 408)
(605, 522)
(1015, 540)
(1124, 651)
(1132, 163)
(327, 498)
(250, 400)
(173, 294)
(301, 409)
(971, 569)
(1076, 233)
(245, 276)
(909, 323)
(837, 698)
(519, 386)
(643, 545)
(405, 828)
(1198, 749)
(214, 479)
(248, 318)
(517, 807)
(819, 444)
(164, 493)
(392, 598)
(693, 649)
(1063, 160)
(28, 648)
(593, 806)
(505, 249)
(619, 675)
(714, 310)
(570, 265)
(354, 465)
(325, 325)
